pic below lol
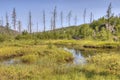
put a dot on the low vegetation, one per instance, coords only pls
(41, 58)
(43, 61)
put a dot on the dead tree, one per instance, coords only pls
(69, 18)
(1, 22)
(84, 16)
(7, 23)
(19, 26)
(91, 17)
(54, 17)
(37, 27)
(51, 22)
(14, 18)
(44, 21)
(75, 20)
(30, 23)
(109, 14)
(61, 17)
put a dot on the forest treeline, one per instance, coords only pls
(105, 28)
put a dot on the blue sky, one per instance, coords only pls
(97, 7)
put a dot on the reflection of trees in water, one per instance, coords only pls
(88, 53)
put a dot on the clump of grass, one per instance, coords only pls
(31, 58)
(50, 45)
(109, 62)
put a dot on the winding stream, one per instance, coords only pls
(79, 56)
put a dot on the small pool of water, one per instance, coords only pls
(10, 62)
(78, 57)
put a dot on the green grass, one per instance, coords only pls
(45, 61)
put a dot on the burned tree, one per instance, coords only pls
(84, 16)
(19, 26)
(44, 21)
(37, 27)
(54, 17)
(91, 17)
(69, 18)
(109, 14)
(1, 22)
(14, 18)
(61, 17)
(30, 23)
(7, 23)
(75, 20)
(51, 22)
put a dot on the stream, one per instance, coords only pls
(79, 56)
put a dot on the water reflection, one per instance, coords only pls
(78, 57)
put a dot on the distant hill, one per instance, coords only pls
(4, 30)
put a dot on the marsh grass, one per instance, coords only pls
(44, 61)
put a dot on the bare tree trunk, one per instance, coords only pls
(7, 23)
(75, 20)
(91, 17)
(19, 26)
(44, 21)
(37, 27)
(14, 18)
(84, 16)
(69, 18)
(30, 23)
(51, 21)
(2, 22)
(61, 16)
(54, 18)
